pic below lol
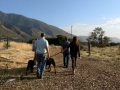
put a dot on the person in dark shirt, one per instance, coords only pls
(74, 50)
(66, 53)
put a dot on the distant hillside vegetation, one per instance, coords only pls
(112, 39)
(21, 27)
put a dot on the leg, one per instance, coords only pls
(49, 67)
(75, 61)
(38, 64)
(43, 65)
(26, 70)
(68, 59)
(32, 69)
(64, 60)
(38, 69)
(73, 64)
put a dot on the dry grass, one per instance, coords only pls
(90, 73)
(108, 55)
(1, 44)
(21, 46)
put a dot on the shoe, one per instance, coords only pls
(37, 74)
(66, 66)
(40, 77)
(73, 72)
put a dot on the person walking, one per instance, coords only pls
(66, 53)
(34, 49)
(42, 51)
(74, 50)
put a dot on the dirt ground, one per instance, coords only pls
(89, 75)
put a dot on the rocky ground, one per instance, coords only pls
(89, 75)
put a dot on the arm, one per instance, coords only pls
(66, 48)
(79, 52)
(47, 48)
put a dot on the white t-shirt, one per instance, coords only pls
(41, 44)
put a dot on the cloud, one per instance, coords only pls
(103, 17)
(114, 21)
(111, 28)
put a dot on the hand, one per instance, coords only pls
(79, 57)
(61, 50)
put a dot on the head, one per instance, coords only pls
(66, 38)
(42, 34)
(75, 40)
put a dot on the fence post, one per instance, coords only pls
(89, 47)
(7, 43)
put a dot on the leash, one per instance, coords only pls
(55, 54)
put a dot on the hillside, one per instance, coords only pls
(19, 26)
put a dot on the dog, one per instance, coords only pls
(48, 64)
(30, 66)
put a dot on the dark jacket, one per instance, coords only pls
(74, 49)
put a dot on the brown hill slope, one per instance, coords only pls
(27, 28)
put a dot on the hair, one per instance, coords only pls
(75, 40)
(42, 34)
(66, 38)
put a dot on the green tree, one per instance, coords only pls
(60, 39)
(106, 40)
(97, 37)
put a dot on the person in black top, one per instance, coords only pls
(66, 53)
(74, 50)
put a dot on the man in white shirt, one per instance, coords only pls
(42, 50)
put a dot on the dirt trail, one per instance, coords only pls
(89, 75)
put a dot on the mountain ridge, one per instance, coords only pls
(27, 28)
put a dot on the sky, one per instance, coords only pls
(83, 15)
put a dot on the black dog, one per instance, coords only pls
(49, 62)
(30, 65)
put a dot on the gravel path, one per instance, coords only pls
(89, 75)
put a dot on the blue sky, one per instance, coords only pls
(83, 15)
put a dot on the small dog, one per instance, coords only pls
(48, 64)
(30, 66)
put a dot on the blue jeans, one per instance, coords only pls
(66, 59)
(41, 63)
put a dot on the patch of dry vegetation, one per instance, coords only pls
(108, 55)
(90, 73)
